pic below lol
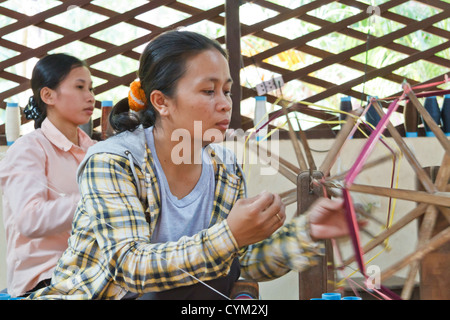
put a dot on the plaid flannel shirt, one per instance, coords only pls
(109, 252)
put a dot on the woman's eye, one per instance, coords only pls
(210, 92)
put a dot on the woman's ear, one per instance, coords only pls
(48, 96)
(159, 102)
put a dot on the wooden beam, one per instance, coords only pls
(402, 222)
(319, 278)
(77, 35)
(430, 245)
(341, 138)
(427, 118)
(438, 198)
(233, 43)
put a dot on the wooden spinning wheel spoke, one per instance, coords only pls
(433, 198)
(440, 198)
(341, 138)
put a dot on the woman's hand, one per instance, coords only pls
(255, 219)
(327, 219)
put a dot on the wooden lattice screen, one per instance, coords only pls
(302, 41)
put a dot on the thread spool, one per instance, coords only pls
(432, 107)
(372, 115)
(105, 127)
(445, 115)
(12, 122)
(260, 117)
(4, 296)
(245, 290)
(351, 298)
(244, 296)
(411, 118)
(331, 296)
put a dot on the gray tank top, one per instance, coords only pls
(186, 217)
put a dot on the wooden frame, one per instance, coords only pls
(236, 30)
(433, 199)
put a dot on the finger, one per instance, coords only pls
(331, 204)
(274, 207)
(250, 200)
(263, 200)
(363, 223)
(280, 216)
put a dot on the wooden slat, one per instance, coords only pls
(401, 223)
(430, 245)
(430, 122)
(379, 72)
(321, 32)
(29, 21)
(348, 32)
(42, 50)
(233, 43)
(438, 198)
(341, 138)
(301, 13)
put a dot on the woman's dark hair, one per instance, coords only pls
(48, 72)
(161, 65)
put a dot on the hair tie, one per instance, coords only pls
(136, 96)
(31, 110)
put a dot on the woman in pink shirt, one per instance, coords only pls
(37, 175)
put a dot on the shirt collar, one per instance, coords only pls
(60, 140)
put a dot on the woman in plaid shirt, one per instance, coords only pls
(164, 219)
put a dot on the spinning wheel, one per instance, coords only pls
(313, 181)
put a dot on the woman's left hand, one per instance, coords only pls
(327, 219)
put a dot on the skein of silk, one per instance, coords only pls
(432, 107)
(411, 116)
(445, 115)
(106, 130)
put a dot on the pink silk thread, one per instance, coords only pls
(350, 211)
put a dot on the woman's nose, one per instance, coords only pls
(225, 103)
(91, 96)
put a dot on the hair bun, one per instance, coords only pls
(31, 110)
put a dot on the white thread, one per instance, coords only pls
(181, 269)
(61, 194)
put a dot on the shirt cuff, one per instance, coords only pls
(304, 237)
(222, 240)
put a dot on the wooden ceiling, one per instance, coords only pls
(226, 14)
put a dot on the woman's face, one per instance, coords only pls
(73, 100)
(202, 101)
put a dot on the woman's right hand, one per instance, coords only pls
(254, 219)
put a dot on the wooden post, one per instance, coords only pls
(435, 266)
(233, 43)
(320, 278)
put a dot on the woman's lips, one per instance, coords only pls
(223, 124)
(89, 111)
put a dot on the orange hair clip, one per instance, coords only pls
(136, 96)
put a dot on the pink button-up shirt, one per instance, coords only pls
(40, 194)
